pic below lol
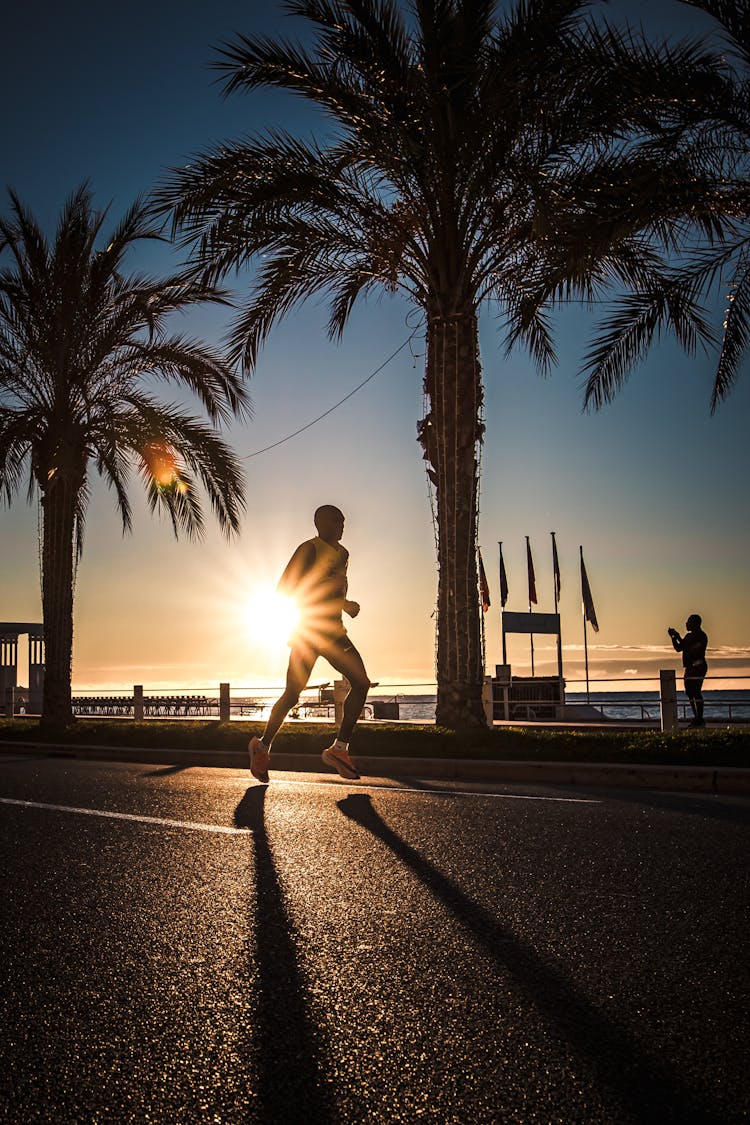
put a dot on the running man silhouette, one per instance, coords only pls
(693, 648)
(315, 577)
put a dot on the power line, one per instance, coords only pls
(335, 406)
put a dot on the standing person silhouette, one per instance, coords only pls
(315, 577)
(693, 648)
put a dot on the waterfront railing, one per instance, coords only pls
(403, 702)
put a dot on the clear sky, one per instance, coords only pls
(652, 486)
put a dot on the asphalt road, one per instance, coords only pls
(185, 945)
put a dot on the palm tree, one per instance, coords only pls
(80, 345)
(466, 151)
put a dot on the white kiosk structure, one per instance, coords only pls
(529, 697)
(10, 698)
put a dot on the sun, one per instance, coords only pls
(269, 617)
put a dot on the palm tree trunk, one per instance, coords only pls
(450, 435)
(58, 504)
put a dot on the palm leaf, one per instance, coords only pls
(628, 333)
(736, 338)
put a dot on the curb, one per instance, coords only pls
(691, 779)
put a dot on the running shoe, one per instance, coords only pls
(341, 762)
(259, 756)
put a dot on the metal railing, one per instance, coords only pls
(731, 711)
(387, 700)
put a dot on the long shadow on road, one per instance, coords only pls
(647, 1089)
(290, 1071)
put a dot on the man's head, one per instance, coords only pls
(693, 622)
(329, 522)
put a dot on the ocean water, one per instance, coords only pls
(625, 706)
(628, 705)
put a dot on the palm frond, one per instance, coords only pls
(15, 452)
(736, 335)
(186, 448)
(734, 18)
(194, 365)
(112, 465)
(628, 333)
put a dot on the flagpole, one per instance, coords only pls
(554, 575)
(503, 595)
(585, 639)
(555, 585)
(531, 634)
(485, 599)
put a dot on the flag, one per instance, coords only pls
(589, 612)
(555, 568)
(532, 578)
(484, 588)
(503, 579)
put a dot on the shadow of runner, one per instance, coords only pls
(645, 1087)
(165, 771)
(290, 1074)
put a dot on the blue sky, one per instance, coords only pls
(652, 486)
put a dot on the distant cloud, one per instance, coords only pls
(736, 652)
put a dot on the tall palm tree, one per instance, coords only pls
(81, 344)
(466, 150)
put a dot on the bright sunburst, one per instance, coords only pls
(269, 617)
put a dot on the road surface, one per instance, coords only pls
(185, 945)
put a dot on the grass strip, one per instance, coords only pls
(710, 746)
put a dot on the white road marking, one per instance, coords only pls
(227, 830)
(356, 787)
(222, 829)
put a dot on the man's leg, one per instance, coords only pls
(346, 660)
(344, 657)
(300, 666)
(698, 696)
(693, 692)
(301, 663)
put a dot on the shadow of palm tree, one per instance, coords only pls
(291, 1078)
(645, 1087)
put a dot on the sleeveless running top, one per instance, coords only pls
(321, 591)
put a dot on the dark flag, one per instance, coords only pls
(555, 568)
(532, 577)
(503, 579)
(588, 602)
(483, 586)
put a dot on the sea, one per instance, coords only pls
(624, 706)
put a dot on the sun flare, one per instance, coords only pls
(270, 618)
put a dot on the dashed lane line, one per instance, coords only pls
(228, 830)
(163, 822)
